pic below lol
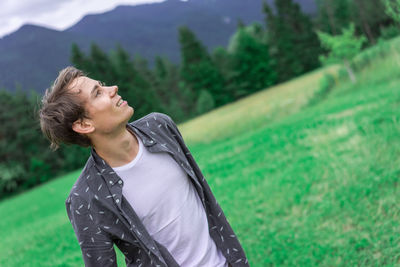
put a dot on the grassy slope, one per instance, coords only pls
(304, 185)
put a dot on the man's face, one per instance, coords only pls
(105, 108)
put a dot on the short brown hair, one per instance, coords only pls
(60, 108)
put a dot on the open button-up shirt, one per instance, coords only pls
(102, 217)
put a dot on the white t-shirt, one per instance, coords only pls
(167, 203)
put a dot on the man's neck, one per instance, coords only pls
(118, 148)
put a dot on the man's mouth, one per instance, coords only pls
(120, 102)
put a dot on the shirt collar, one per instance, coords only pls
(105, 169)
(146, 138)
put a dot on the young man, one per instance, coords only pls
(140, 189)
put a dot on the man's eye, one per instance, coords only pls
(98, 92)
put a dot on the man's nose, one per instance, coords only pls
(114, 90)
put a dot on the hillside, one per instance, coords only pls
(303, 183)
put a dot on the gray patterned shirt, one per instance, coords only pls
(102, 217)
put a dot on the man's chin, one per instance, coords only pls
(130, 114)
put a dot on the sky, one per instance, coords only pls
(54, 14)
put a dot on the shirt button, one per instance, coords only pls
(110, 182)
(120, 182)
(117, 200)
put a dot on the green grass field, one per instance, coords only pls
(301, 184)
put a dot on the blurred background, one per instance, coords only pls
(290, 107)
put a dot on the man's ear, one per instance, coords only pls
(83, 126)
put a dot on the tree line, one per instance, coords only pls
(288, 44)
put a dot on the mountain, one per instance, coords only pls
(31, 57)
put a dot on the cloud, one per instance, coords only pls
(55, 14)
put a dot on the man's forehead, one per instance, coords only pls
(80, 84)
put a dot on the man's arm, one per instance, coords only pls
(173, 124)
(96, 245)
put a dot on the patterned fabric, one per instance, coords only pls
(102, 217)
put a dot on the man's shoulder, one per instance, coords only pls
(161, 116)
(153, 117)
(153, 121)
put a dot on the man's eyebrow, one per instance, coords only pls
(97, 85)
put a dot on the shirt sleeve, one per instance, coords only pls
(96, 244)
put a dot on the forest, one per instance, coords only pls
(288, 44)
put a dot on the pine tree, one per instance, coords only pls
(192, 50)
(251, 62)
(197, 69)
(333, 15)
(160, 68)
(369, 17)
(78, 59)
(205, 102)
(100, 65)
(176, 99)
(294, 44)
(127, 75)
(166, 85)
